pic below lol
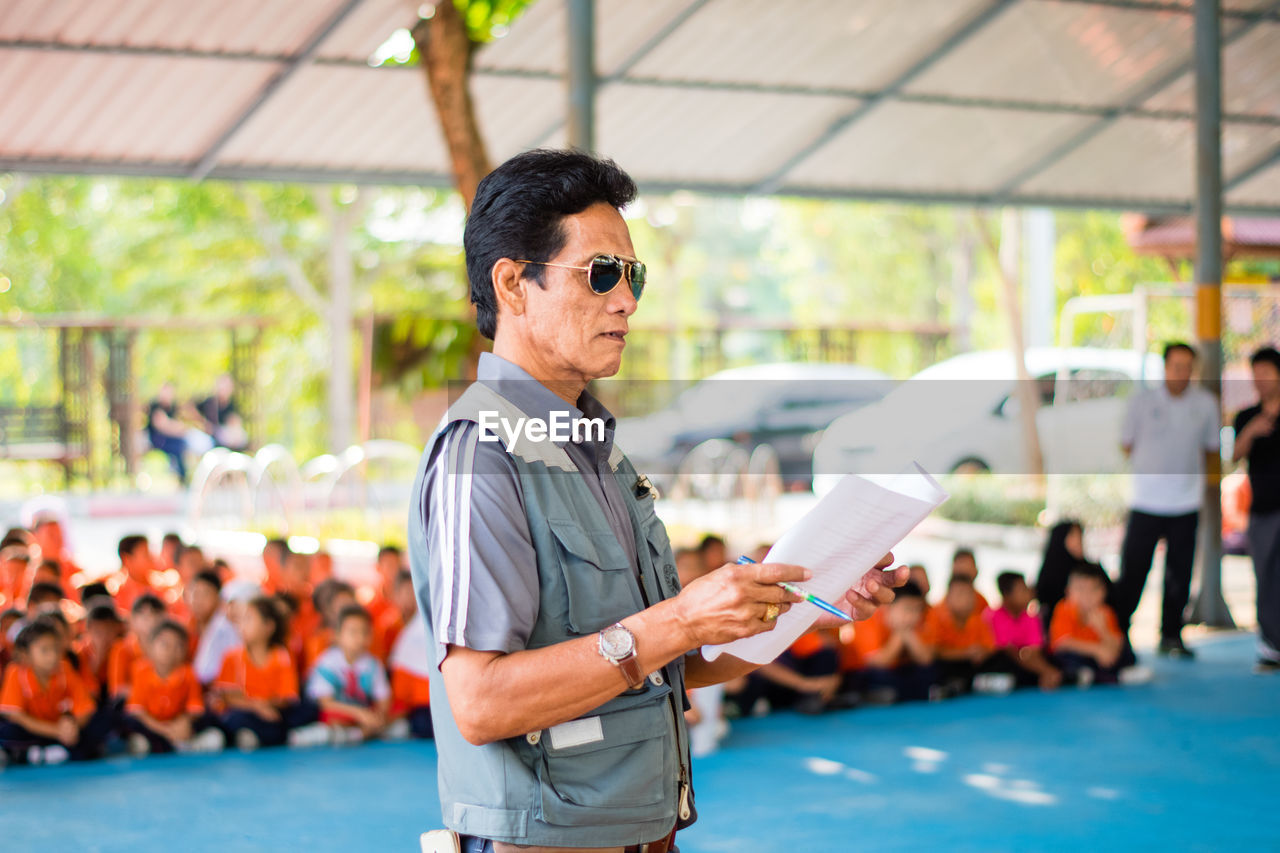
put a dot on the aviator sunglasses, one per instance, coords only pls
(605, 271)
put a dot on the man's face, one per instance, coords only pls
(579, 333)
(1177, 371)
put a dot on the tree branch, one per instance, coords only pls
(293, 272)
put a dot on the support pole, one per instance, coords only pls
(582, 74)
(1210, 607)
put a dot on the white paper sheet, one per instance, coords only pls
(840, 540)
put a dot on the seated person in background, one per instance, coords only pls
(14, 560)
(329, 598)
(170, 545)
(1019, 636)
(274, 555)
(377, 600)
(713, 551)
(165, 432)
(410, 673)
(10, 622)
(44, 706)
(348, 683)
(137, 564)
(147, 613)
(48, 535)
(321, 567)
(896, 650)
(165, 711)
(688, 565)
(962, 639)
(705, 718)
(387, 627)
(259, 685)
(919, 576)
(965, 565)
(210, 619)
(1084, 635)
(805, 677)
(221, 419)
(103, 628)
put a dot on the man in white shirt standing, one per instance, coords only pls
(1168, 433)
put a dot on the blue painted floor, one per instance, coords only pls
(1190, 762)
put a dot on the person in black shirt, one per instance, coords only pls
(166, 433)
(222, 419)
(1258, 442)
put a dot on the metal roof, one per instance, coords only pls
(1057, 102)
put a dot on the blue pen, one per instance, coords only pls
(807, 596)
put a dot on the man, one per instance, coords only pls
(561, 639)
(220, 417)
(1256, 440)
(1168, 433)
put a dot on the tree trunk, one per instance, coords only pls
(446, 50)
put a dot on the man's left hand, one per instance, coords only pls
(874, 589)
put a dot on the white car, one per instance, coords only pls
(962, 415)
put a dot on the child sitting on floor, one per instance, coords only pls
(44, 706)
(165, 710)
(895, 648)
(348, 683)
(1084, 635)
(146, 613)
(1019, 636)
(410, 678)
(259, 685)
(962, 639)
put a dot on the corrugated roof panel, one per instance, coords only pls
(1262, 189)
(1146, 159)
(858, 44)
(513, 114)
(365, 29)
(535, 43)
(931, 148)
(142, 108)
(1062, 52)
(703, 133)
(1250, 77)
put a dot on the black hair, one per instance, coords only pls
(403, 576)
(12, 613)
(175, 627)
(53, 615)
(1006, 581)
(15, 551)
(1266, 355)
(210, 577)
(281, 544)
(518, 213)
(33, 631)
(44, 591)
(183, 550)
(325, 591)
(353, 611)
(287, 600)
(170, 538)
(389, 549)
(52, 566)
(964, 552)
(959, 580)
(129, 544)
(910, 589)
(710, 541)
(90, 591)
(17, 536)
(1173, 346)
(270, 612)
(1089, 570)
(102, 611)
(147, 601)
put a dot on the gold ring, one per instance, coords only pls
(771, 612)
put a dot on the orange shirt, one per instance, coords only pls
(164, 697)
(378, 605)
(124, 653)
(316, 645)
(952, 636)
(386, 628)
(275, 680)
(1067, 623)
(93, 672)
(130, 591)
(871, 635)
(65, 693)
(409, 690)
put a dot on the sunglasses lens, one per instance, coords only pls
(605, 274)
(637, 279)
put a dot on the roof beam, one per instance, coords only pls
(958, 37)
(1258, 166)
(637, 56)
(209, 159)
(1060, 151)
(1179, 9)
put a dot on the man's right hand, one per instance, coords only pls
(730, 603)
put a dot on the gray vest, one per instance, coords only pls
(619, 774)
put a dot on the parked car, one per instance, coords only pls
(962, 415)
(779, 405)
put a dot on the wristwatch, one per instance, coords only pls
(618, 647)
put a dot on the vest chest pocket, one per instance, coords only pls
(622, 778)
(598, 579)
(664, 562)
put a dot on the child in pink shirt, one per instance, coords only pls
(1019, 635)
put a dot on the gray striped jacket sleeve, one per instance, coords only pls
(482, 576)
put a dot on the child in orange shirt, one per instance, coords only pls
(102, 627)
(259, 684)
(1084, 635)
(45, 709)
(410, 678)
(330, 597)
(963, 642)
(146, 614)
(404, 604)
(896, 650)
(165, 710)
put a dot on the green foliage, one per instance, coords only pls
(488, 19)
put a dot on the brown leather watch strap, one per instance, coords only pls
(630, 667)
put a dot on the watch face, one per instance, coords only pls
(617, 642)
